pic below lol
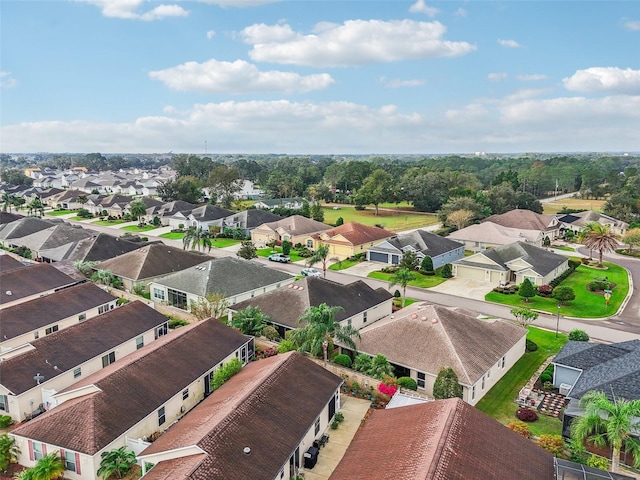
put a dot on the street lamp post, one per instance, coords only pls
(325, 345)
(558, 321)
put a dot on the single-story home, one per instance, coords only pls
(54, 243)
(486, 235)
(512, 264)
(293, 203)
(42, 316)
(24, 284)
(361, 304)
(135, 398)
(422, 339)
(577, 221)
(259, 424)
(294, 229)
(32, 374)
(238, 279)
(524, 219)
(246, 220)
(200, 217)
(443, 439)
(422, 243)
(349, 239)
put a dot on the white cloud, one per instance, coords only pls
(497, 76)
(524, 94)
(130, 9)
(509, 43)
(7, 81)
(461, 12)
(236, 77)
(397, 83)
(604, 79)
(238, 3)
(632, 25)
(211, 34)
(421, 7)
(534, 77)
(356, 42)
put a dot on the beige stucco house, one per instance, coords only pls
(349, 239)
(294, 229)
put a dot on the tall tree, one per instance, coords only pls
(599, 237)
(224, 182)
(320, 255)
(526, 290)
(610, 422)
(9, 452)
(186, 189)
(250, 321)
(247, 250)
(446, 385)
(320, 325)
(632, 238)
(377, 188)
(524, 316)
(137, 209)
(460, 218)
(402, 277)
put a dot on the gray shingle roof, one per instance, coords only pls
(541, 260)
(25, 226)
(425, 242)
(227, 275)
(34, 279)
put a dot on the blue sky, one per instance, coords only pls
(296, 77)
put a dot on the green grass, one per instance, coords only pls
(422, 281)
(499, 402)
(55, 213)
(563, 247)
(586, 303)
(107, 223)
(394, 221)
(265, 252)
(136, 228)
(173, 235)
(224, 242)
(343, 264)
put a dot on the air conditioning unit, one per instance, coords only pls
(564, 389)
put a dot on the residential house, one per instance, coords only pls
(146, 264)
(294, 229)
(8, 263)
(248, 191)
(293, 203)
(66, 199)
(246, 220)
(100, 246)
(31, 375)
(422, 243)
(512, 264)
(137, 397)
(348, 239)
(24, 284)
(8, 217)
(168, 210)
(87, 184)
(199, 217)
(238, 279)
(361, 305)
(486, 235)
(11, 233)
(115, 205)
(42, 316)
(441, 440)
(523, 219)
(53, 244)
(577, 221)
(259, 424)
(422, 339)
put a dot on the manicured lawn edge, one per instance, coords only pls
(136, 228)
(422, 281)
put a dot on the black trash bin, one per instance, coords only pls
(311, 457)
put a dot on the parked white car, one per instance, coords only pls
(311, 272)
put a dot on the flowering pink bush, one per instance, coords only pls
(389, 390)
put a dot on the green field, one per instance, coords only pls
(575, 203)
(391, 220)
(499, 402)
(586, 303)
(422, 281)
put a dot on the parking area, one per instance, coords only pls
(464, 287)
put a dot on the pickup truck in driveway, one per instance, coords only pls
(279, 257)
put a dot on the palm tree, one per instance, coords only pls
(320, 255)
(205, 240)
(103, 277)
(320, 325)
(35, 205)
(380, 367)
(137, 209)
(192, 236)
(250, 321)
(402, 277)
(9, 452)
(49, 467)
(8, 200)
(599, 237)
(609, 422)
(117, 462)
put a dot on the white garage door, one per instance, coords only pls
(472, 273)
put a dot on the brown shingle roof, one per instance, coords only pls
(523, 219)
(134, 387)
(456, 339)
(8, 263)
(151, 261)
(34, 279)
(355, 233)
(268, 406)
(37, 313)
(71, 347)
(297, 225)
(286, 305)
(440, 440)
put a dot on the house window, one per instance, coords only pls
(473, 392)
(161, 416)
(483, 382)
(4, 403)
(282, 473)
(489, 373)
(158, 293)
(70, 461)
(77, 372)
(103, 308)
(50, 330)
(364, 317)
(349, 322)
(36, 335)
(531, 279)
(421, 380)
(82, 317)
(309, 243)
(185, 394)
(37, 451)
(316, 426)
(177, 299)
(108, 359)
(502, 362)
(162, 330)
(139, 342)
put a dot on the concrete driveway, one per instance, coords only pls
(363, 269)
(464, 287)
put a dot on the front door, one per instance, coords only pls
(207, 384)
(332, 408)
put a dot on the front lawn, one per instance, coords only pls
(563, 247)
(55, 213)
(421, 281)
(173, 235)
(343, 264)
(137, 229)
(107, 223)
(499, 402)
(265, 252)
(224, 242)
(586, 304)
